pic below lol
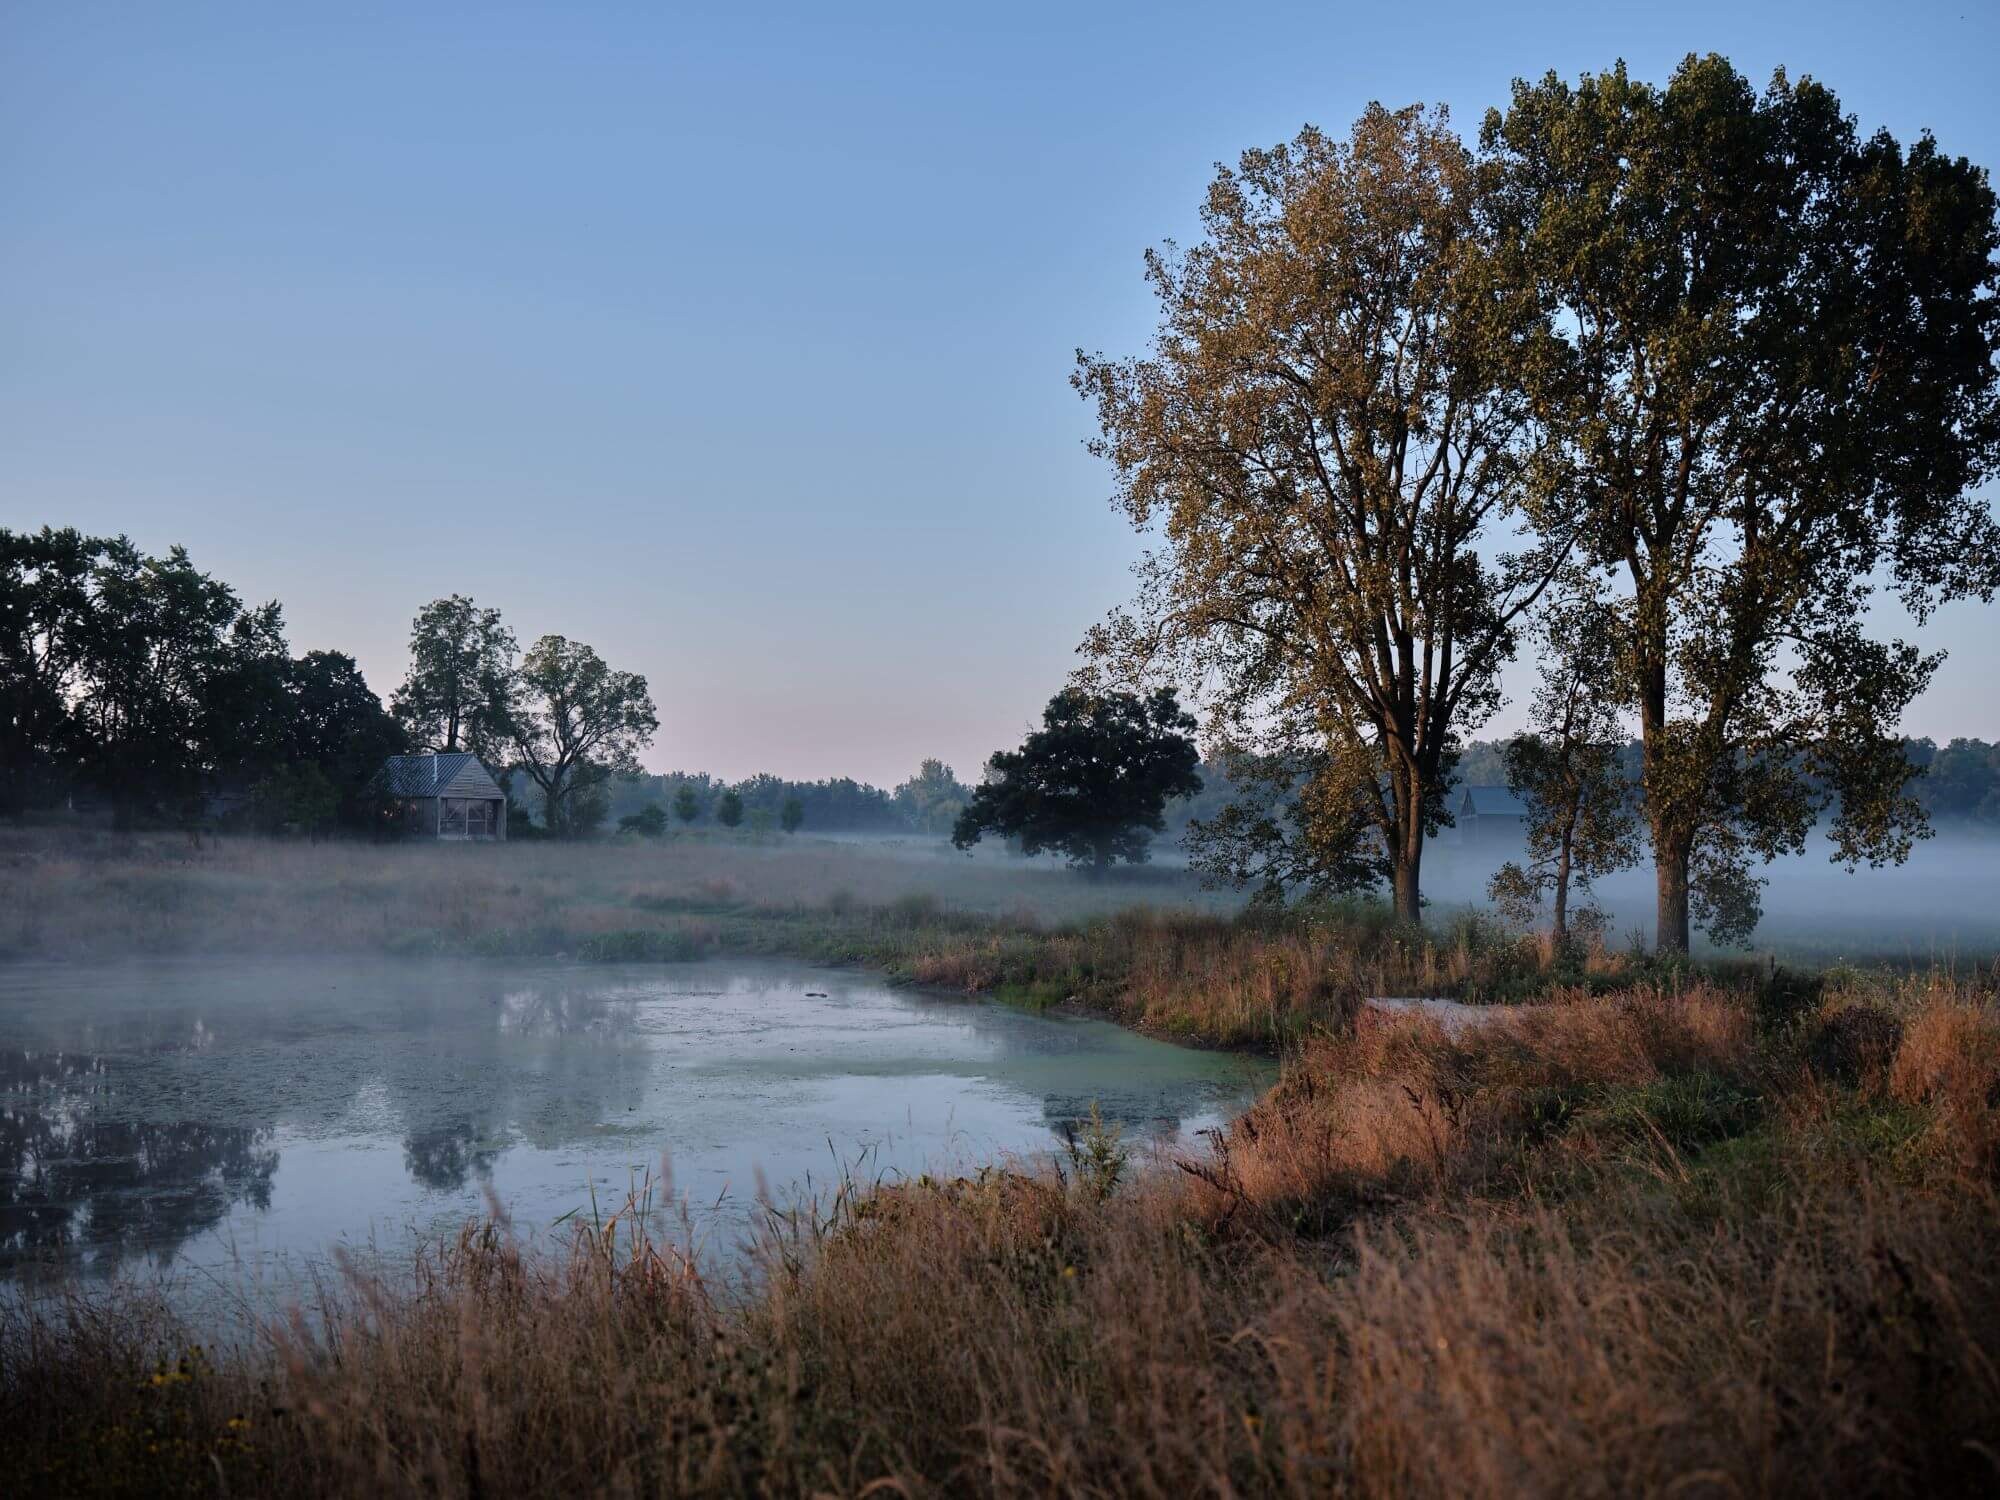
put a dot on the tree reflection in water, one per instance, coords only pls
(443, 1156)
(79, 1192)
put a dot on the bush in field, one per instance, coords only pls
(791, 815)
(650, 822)
(686, 808)
(729, 809)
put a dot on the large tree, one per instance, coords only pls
(1329, 423)
(459, 694)
(1776, 387)
(1091, 783)
(577, 724)
(159, 641)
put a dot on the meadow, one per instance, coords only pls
(1148, 946)
(1699, 1229)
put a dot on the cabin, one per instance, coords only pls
(1490, 815)
(449, 797)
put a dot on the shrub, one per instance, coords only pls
(1856, 1042)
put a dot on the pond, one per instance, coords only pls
(229, 1124)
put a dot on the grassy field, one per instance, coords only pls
(1667, 1229)
(1150, 948)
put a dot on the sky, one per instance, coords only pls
(734, 340)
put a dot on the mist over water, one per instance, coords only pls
(231, 1123)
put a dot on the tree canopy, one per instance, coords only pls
(147, 682)
(576, 723)
(459, 692)
(1773, 386)
(1330, 420)
(1091, 782)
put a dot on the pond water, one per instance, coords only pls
(230, 1124)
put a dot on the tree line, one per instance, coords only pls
(148, 686)
(928, 802)
(1668, 382)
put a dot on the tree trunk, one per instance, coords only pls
(1670, 868)
(1561, 927)
(1407, 853)
(1671, 845)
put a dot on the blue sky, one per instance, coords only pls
(733, 340)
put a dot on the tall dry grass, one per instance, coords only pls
(1633, 1244)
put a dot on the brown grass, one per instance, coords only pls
(1623, 1245)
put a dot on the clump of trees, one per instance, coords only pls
(1773, 384)
(1713, 348)
(933, 799)
(146, 684)
(649, 822)
(1091, 782)
(560, 717)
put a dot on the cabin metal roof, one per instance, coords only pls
(457, 775)
(1492, 802)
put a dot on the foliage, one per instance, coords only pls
(933, 798)
(163, 644)
(147, 682)
(1330, 420)
(791, 814)
(836, 804)
(1775, 385)
(459, 693)
(1568, 770)
(1960, 782)
(1091, 782)
(649, 822)
(686, 807)
(729, 809)
(578, 722)
(296, 796)
(45, 609)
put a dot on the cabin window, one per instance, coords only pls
(468, 818)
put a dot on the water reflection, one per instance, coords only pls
(147, 1112)
(77, 1190)
(442, 1158)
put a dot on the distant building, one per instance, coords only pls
(446, 797)
(1490, 814)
